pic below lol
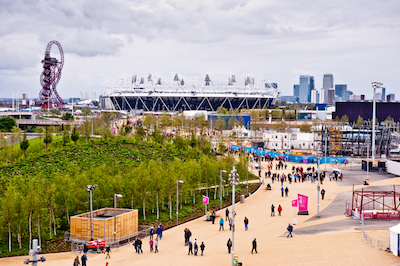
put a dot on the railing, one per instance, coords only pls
(77, 243)
(373, 241)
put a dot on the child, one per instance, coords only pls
(151, 245)
(156, 246)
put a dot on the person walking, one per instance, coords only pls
(202, 246)
(213, 217)
(159, 232)
(221, 224)
(85, 249)
(286, 191)
(76, 261)
(272, 210)
(108, 250)
(279, 209)
(230, 224)
(282, 190)
(151, 242)
(254, 246)
(290, 230)
(190, 248)
(84, 259)
(246, 223)
(151, 232)
(229, 244)
(227, 214)
(135, 244)
(156, 245)
(323, 193)
(196, 247)
(139, 246)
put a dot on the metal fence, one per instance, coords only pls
(378, 243)
(77, 244)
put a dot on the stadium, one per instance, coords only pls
(155, 96)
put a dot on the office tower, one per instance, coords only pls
(327, 82)
(296, 90)
(314, 96)
(391, 97)
(322, 94)
(378, 96)
(340, 89)
(383, 94)
(346, 95)
(331, 96)
(305, 87)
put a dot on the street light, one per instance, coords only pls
(90, 188)
(34, 252)
(233, 180)
(375, 85)
(220, 187)
(177, 197)
(318, 187)
(115, 214)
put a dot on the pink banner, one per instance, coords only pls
(294, 203)
(303, 202)
(205, 200)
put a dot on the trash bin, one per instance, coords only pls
(241, 198)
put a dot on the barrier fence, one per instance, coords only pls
(373, 241)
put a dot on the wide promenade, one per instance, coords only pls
(332, 239)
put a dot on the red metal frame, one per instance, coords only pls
(362, 200)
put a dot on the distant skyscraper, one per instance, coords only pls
(322, 96)
(331, 96)
(391, 97)
(346, 95)
(340, 89)
(383, 94)
(327, 82)
(296, 90)
(378, 96)
(305, 87)
(314, 96)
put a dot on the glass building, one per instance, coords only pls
(305, 87)
(327, 82)
(340, 89)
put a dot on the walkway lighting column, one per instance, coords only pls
(177, 198)
(115, 214)
(220, 187)
(375, 85)
(233, 180)
(326, 143)
(318, 187)
(90, 188)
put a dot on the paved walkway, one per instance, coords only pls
(331, 239)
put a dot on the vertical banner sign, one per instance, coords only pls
(302, 203)
(294, 203)
(205, 200)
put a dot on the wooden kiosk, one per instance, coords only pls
(103, 224)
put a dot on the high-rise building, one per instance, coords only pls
(296, 90)
(346, 95)
(322, 96)
(305, 87)
(383, 94)
(314, 96)
(327, 82)
(331, 96)
(391, 97)
(378, 96)
(340, 89)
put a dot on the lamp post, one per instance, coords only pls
(220, 188)
(115, 214)
(34, 252)
(318, 187)
(375, 85)
(233, 180)
(90, 188)
(326, 143)
(177, 198)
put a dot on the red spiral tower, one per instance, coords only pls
(50, 77)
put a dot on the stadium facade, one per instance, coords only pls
(154, 96)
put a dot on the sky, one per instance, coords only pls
(358, 41)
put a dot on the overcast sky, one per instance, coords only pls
(358, 41)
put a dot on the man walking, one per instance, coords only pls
(254, 246)
(139, 246)
(196, 247)
(159, 232)
(246, 223)
(84, 259)
(282, 190)
(286, 191)
(221, 224)
(227, 214)
(290, 230)
(190, 248)
(323, 193)
(272, 210)
(229, 244)
(213, 217)
(202, 246)
(108, 250)
(151, 232)
(230, 224)
(279, 209)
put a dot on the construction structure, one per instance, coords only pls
(374, 204)
(154, 95)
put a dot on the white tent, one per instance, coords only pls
(394, 239)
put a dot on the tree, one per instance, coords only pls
(140, 132)
(67, 116)
(48, 137)
(4, 144)
(344, 119)
(75, 135)
(360, 121)
(305, 127)
(24, 144)
(7, 210)
(7, 123)
(66, 138)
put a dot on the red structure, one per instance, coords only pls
(50, 77)
(375, 204)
